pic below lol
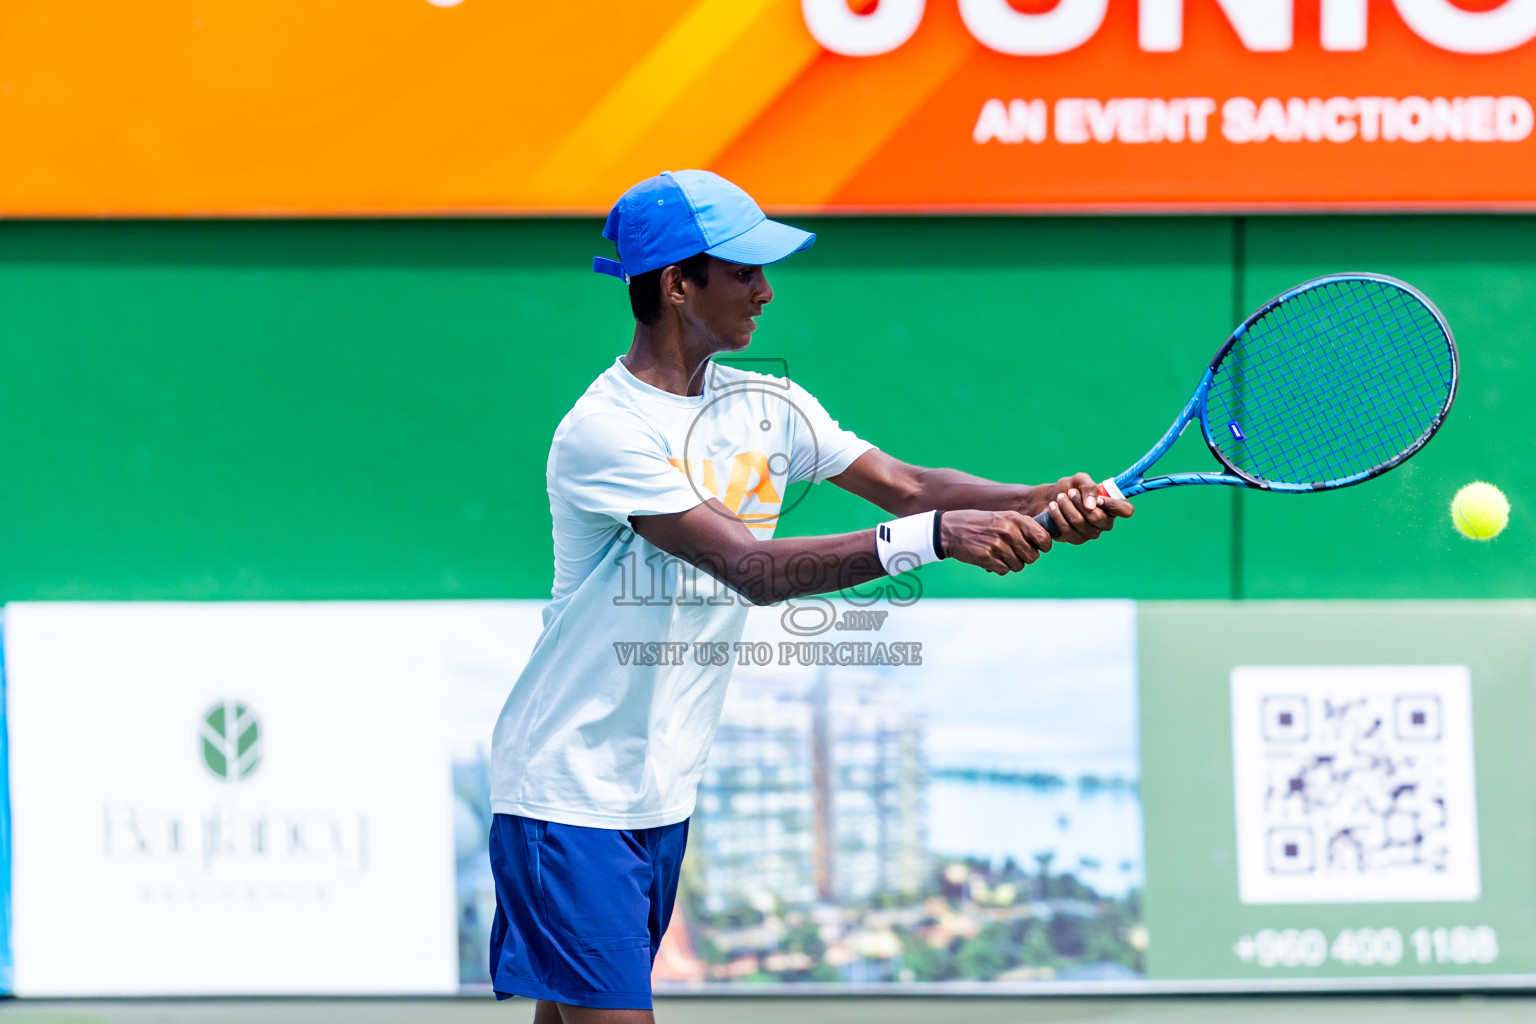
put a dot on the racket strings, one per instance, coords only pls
(1332, 383)
(1338, 443)
(1331, 441)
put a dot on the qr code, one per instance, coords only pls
(1354, 784)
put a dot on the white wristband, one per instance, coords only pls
(906, 543)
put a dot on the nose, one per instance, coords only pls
(764, 293)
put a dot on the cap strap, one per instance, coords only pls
(613, 268)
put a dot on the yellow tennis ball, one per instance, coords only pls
(1480, 511)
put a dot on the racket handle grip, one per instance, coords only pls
(1108, 487)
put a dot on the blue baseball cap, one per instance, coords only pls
(677, 214)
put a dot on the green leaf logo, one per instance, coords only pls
(231, 741)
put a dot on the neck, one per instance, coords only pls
(660, 356)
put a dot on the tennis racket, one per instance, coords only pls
(1329, 384)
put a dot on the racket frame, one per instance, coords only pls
(1133, 481)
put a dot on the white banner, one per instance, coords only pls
(231, 798)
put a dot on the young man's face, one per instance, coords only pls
(726, 309)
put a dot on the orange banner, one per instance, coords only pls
(350, 107)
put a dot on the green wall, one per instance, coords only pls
(346, 409)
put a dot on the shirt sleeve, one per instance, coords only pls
(615, 466)
(822, 449)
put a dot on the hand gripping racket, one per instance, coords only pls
(1333, 382)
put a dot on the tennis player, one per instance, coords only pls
(665, 483)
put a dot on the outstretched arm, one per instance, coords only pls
(1080, 512)
(764, 571)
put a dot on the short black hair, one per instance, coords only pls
(645, 289)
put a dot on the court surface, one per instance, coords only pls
(1439, 1009)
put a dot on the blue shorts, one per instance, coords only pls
(580, 912)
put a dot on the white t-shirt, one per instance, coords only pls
(601, 730)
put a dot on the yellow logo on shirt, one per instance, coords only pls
(747, 468)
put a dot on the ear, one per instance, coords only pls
(672, 285)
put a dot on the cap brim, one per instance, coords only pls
(768, 241)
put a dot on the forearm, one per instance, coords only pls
(775, 570)
(763, 571)
(951, 489)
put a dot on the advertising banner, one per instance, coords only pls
(1339, 794)
(442, 106)
(229, 798)
(6, 961)
(904, 794)
(898, 793)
